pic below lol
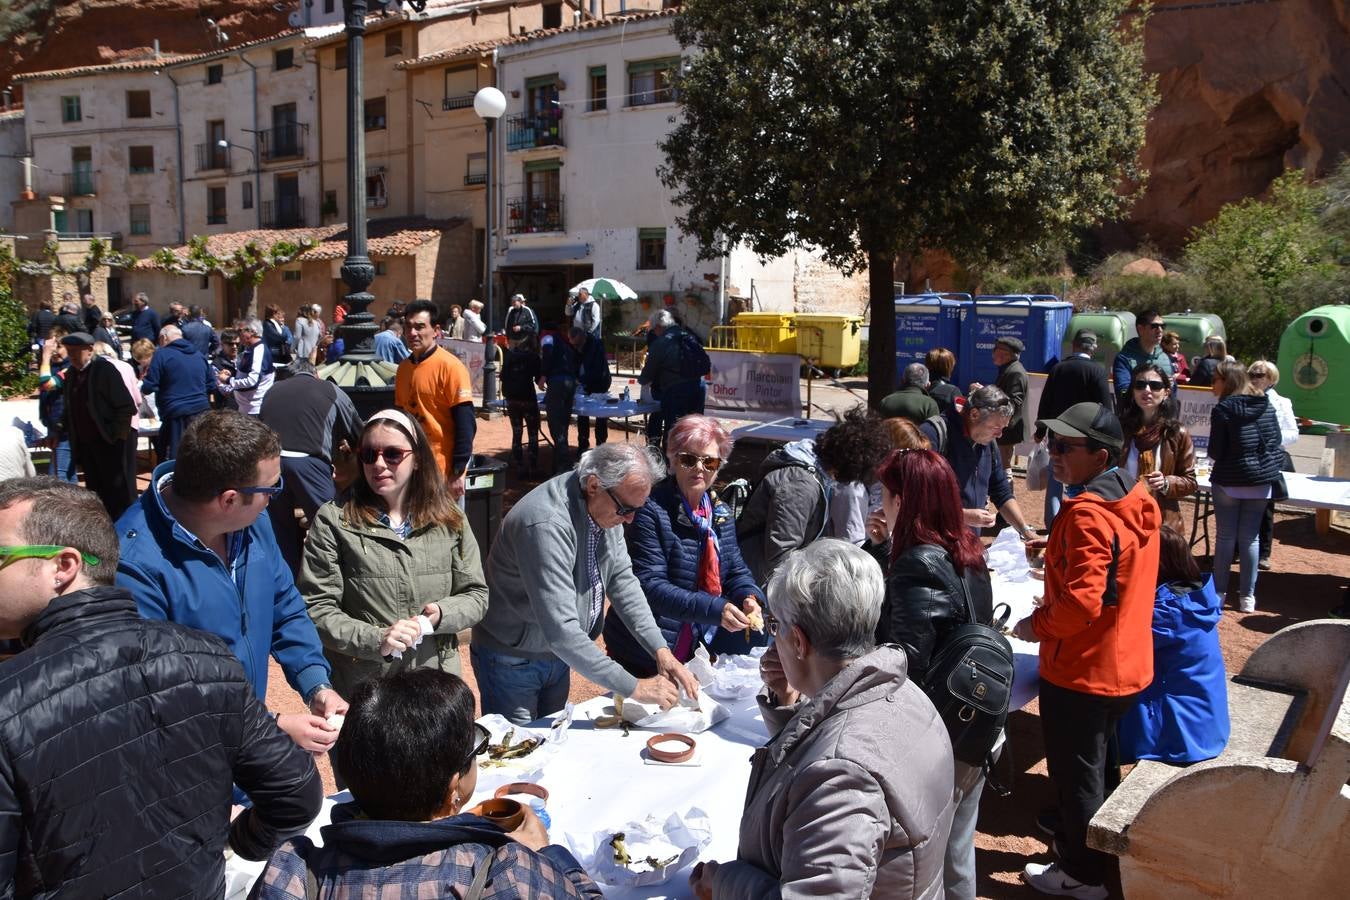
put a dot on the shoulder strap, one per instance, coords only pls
(939, 423)
(480, 879)
(311, 883)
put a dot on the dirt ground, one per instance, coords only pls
(1309, 574)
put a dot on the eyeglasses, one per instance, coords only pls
(1158, 325)
(392, 455)
(1149, 386)
(484, 738)
(691, 460)
(1060, 447)
(39, 551)
(621, 509)
(771, 625)
(272, 491)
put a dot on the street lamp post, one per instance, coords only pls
(257, 201)
(489, 103)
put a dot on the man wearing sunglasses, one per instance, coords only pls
(1094, 628)
(119, 737)
(559, 554)
(1146, 348)
(197, 550)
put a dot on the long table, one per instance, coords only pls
(1315, 492)
(782, 430)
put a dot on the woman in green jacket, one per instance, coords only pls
(397, 558)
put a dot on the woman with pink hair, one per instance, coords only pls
(684, 551)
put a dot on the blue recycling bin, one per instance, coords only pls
(924, 322)
(1038, 323)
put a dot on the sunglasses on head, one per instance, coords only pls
(392, 455)
(1149, 384)
(621, 509)
(1060, 446)
(690, 460)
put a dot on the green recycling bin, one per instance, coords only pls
(1194, 328)
(1314, 364)
(833, 341)
(1113, 327)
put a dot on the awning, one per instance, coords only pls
(562, 253)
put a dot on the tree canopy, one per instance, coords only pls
(877, 129)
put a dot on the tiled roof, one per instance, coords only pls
(164, 60)
(430, 59)
(385, 237)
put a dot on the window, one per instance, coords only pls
(460, 86)
(381, 267)
(290, 274)
(70, 109)
(284, 59)
(596, 98)
(141, 160)
(246, 197)
(140, 218)
(375, 114)
(475, 168)
(552, 15)
(376, 197)
(393, 43)
(215, 74)
(81, 172)
(204, 283)
(328, 5)
(651, 248)
(652, 81)
(330, 205)
(215, 206)
(138, 104)
(340, 57)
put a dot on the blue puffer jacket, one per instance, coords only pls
(255, 608)
(665, 547)
(181, 380)
(1244, 441)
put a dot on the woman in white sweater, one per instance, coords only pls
(1265, 375)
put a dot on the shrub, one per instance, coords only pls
(1136, 293)
(15, 352)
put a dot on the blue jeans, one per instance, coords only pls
(63, 462)
(958, 868)
(520, 689)
(1238, 527)
(1054, 498)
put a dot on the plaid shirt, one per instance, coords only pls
(593, 536)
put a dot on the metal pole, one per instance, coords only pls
(490, 349)
(357, 270)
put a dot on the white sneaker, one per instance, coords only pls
(1247, 604)
(1048, 878)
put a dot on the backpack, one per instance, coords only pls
(694, 362)
(969, 680)
(939, 423)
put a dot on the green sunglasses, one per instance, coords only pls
(39, 551)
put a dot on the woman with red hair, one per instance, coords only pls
(937, 573)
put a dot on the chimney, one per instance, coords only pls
(156, 48)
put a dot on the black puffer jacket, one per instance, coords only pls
(925, 599)
(1244, 441)
(119, 740)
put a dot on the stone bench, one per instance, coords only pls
(1268, 817)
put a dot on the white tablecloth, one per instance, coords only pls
(782, 430)
(1308, 491)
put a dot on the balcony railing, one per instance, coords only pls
(78, 184)
(211, 156)
(284, 212)
(534, 130)
(284, 141)
(462, 101)
(532, 215)
(476, 178)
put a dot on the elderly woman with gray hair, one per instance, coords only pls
(853, 795)
(559, 553)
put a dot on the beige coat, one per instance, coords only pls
(852, 798)
(359, 580)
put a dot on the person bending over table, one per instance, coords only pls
(559, 553)
(410, 833)
(399, 547)
(833, 809)
(685, 556)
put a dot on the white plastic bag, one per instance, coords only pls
(679, 836)
(1038, 468)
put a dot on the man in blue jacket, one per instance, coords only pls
(181, 380)
(144, 321)
(1146, 348)
(197, 550)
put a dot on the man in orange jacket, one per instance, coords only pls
(1095, 630)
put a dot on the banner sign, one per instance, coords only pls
(1196, 404)
(754, 382)
(472, 354)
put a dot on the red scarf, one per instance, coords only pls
(709, 578)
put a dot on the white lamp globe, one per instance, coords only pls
(489, 103)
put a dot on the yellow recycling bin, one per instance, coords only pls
(833, 341)
(766, 332)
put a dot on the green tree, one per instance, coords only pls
(876, 129)
(1264, 261)
(15, 354)
(245, 268)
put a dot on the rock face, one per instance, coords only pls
(1248, 88)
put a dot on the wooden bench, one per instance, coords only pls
(1267, 817)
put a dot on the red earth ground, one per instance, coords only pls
(1309, 574)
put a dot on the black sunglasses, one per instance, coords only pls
(272, 491)
(392, 455)
(484, 738)
(1059, 446)
(1158, 325)
(621, 509)
(1151, 385)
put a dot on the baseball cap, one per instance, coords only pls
(1012, 343)
(78, 339)
(1089, 420)
(1083, 335)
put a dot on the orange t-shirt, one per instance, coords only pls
(427, 390)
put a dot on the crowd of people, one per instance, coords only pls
(854, 565)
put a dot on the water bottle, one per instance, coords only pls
(627, 393)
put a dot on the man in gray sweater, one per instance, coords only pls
(559, 553)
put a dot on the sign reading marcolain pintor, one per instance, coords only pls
(754, 382)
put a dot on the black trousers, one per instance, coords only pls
(109, 469)
(307, 484)
(584, 432)
(524, 416)
(559, 397)
(1078, 729)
